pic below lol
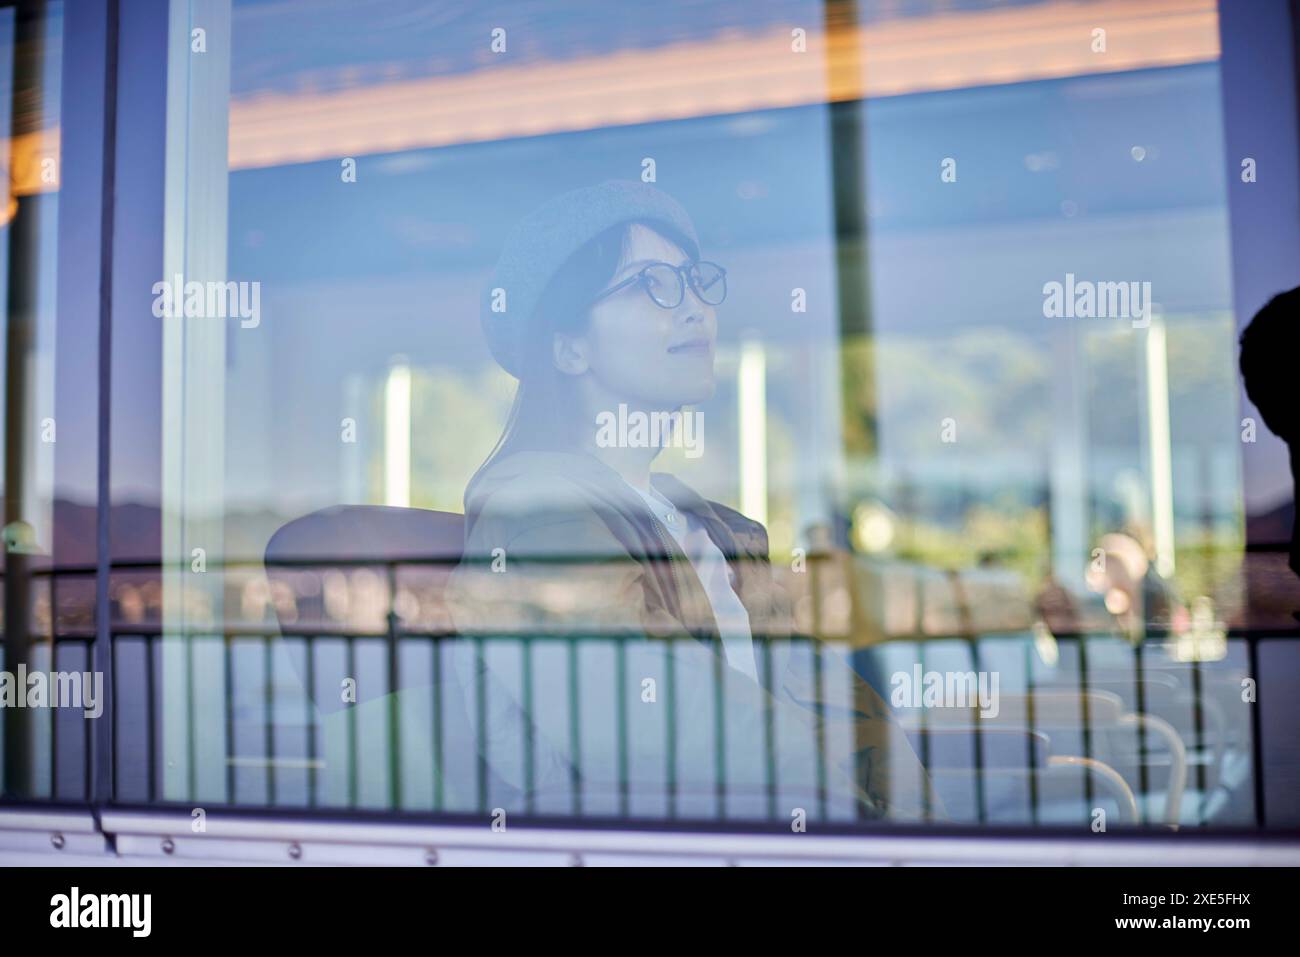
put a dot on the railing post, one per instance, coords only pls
(394, 714)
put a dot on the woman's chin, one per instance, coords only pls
(695, 394)
(698, 389)
(673, 392)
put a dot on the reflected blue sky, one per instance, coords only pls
(1048, 183)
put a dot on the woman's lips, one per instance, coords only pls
(693, 347)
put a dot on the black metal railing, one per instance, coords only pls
(288, 767)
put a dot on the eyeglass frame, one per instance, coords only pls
(684, 280)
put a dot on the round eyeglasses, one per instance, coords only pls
(666, 284)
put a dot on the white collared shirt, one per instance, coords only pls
(715, 575)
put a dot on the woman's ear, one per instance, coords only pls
(570, 354)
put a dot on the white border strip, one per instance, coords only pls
(297, 841)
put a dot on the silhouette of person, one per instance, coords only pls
(1270, 356)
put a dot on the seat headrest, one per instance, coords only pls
(369, 532)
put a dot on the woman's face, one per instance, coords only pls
(638, 352)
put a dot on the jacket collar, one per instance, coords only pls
(736, 536)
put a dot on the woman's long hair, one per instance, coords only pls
(544, 416)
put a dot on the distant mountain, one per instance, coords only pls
(136, 532)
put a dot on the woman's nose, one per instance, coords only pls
(696, 313)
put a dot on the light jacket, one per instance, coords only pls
(561, 553)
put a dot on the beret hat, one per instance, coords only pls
(543, 241)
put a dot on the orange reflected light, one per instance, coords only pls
(732, 73)
(33, 160)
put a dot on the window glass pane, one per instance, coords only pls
(953, 523)
(30, 89)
